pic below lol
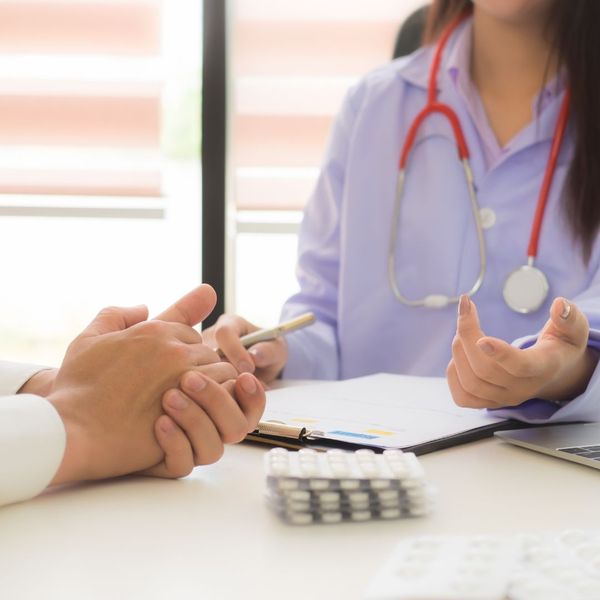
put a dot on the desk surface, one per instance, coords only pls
(211, 536)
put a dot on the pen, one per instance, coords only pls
(265, 335)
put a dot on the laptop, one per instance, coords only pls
(579, 442)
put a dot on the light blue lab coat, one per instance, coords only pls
(343, 244)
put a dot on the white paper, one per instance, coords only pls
(391, 411)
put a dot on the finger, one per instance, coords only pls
(266, 354)
(471, 382)
(192, 308)
(460, 396)
(218, 404)
(523, 364)
(179, 457)
(219, 371)
(115, 318)
(251, 398)
(201, 355)
(198, 427)
(568, 323)
(227, 335)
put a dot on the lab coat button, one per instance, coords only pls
(488, 217)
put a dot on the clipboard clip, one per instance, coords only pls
(282, 430)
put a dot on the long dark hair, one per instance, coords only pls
(573, 26)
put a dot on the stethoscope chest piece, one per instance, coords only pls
(525, 289)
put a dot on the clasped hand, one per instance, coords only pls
(148, 396)
(487, 372)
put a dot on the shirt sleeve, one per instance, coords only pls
(585, 407)
(32, 444)
(14, 375)
(313, 352)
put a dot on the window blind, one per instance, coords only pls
(80, 97)
(292, 63)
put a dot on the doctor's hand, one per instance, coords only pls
(487, 372)
(265, 359)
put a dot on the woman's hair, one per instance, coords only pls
(573, 27)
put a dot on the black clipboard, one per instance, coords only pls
(294, 438)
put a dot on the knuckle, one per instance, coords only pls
(178, 352)
(109, 311)
(235, 433)
(183, 470)
(456, 344)
(212, 455)
(153, 328)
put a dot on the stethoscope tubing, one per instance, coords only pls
(434, 106)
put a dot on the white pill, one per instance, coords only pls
(298, 495)
(364, 452)
(329, 497)
(307, 452)
(318, 484)
(350, 484)
(588, 551)
(288, 484)
(380, 484)
(331, 517)
(300, 518)
(361, 515)
(390, 513)
(358, 497)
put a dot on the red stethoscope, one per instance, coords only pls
(526, 288)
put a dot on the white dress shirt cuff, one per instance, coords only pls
(32, 444)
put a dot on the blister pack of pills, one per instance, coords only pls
(563, 566)
(448, 568)
(328, 487)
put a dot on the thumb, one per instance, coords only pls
(115, 318)
(567, 322)
(192, 308)
(467, 325)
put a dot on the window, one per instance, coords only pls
(99, 163)
(292, 63)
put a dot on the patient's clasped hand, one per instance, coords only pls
(140, 396)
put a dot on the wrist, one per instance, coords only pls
(573, 381)
(39, 384)
(75, 461)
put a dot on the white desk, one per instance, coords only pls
(210, 536)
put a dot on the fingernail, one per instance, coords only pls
(248, 384)
(487, 348)
(566, 310)
(177, 401)
(256, 355)
(245, 367)
(464, 305)
(194, 382)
